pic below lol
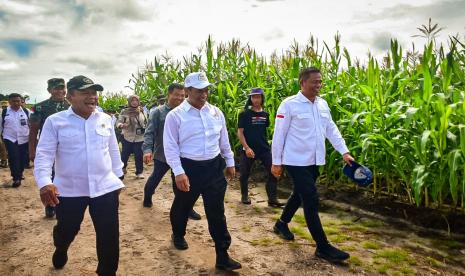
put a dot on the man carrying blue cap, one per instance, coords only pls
(303, 122)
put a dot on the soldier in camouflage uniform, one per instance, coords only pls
(56, 103)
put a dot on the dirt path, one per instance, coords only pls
(26, 241)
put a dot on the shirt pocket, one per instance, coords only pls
(305, 123)
(103, 137)
(325, 117)
(69, 136)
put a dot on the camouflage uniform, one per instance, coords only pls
(46, 108)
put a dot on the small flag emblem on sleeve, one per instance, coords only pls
(280, 116)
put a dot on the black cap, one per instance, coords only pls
(55, 82)
(81, 83)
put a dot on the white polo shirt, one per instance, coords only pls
(16, 127)
(195, 134)
(301, 128)
(85, 152)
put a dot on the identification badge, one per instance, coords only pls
(23, 122)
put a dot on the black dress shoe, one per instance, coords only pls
(283, 231)
(179, 242)
(331, 254)
(194, 215)
(16, 183)
(60, 257)
(245, 199)
(224, 262)
(49, 211)
(275, 203)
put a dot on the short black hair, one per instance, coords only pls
(173, 86)
(14, 95)
(306, 72)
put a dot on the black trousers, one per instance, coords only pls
(136, 148)
(246, 166)
(104, 213)
(304, 178)
(206, 178)
(159, 170)
(18, 158)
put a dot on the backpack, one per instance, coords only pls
(4, 115)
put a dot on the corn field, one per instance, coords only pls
(402, 116)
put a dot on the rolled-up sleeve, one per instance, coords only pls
(281, 127)
(45, 154)
(225, 147)
(171, 143)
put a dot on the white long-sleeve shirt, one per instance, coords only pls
(85, 152)
(300, 131)
(195, 134)
(16, 127)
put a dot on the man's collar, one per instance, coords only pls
(186, 106)
(301, 98)
(70, 111)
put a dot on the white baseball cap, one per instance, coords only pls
(197, 80)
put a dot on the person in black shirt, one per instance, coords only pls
(251, 131)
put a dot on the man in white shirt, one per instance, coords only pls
(196, 146)
(302, 124)
(88, 172)
(15, 132)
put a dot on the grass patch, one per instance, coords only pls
(257, 209)
(266, 242)
(331, 230)
(348, 247)
(372, 223)
(371, 245)
(275, 217)
(405, 270)
(396, 257)
(246, 228)
(338, 238)
(383, 269)
(434, 263)
(301, 232)
(355, 261)
(358, 228)
(293, 245)
(300, 219)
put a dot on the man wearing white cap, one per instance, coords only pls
(197, 149)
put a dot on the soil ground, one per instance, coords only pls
(376, 246)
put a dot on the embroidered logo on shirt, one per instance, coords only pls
(280, 116)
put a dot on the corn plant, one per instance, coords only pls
(402, 115)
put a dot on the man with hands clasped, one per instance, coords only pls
(197, 149)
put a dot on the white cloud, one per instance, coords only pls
(108, 40)
(7, 66)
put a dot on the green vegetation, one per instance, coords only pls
(402, 115)
(371, 245)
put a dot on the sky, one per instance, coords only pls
(109, 40)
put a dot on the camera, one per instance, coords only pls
(140, 131)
